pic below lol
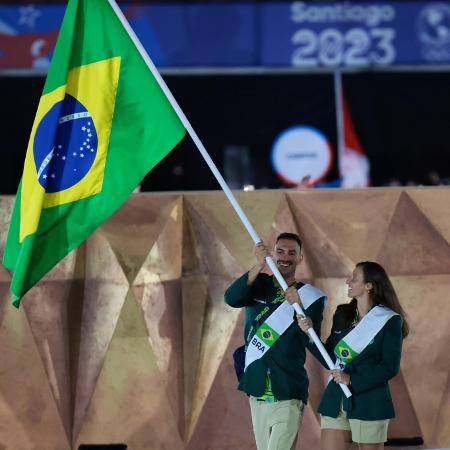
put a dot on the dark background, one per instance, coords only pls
(403, 121)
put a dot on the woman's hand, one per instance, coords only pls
(340, 377)
(305, 323)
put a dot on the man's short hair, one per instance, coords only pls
(291, 237)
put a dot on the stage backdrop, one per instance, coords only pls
(128, 338)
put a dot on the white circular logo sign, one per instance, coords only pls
(300, 151)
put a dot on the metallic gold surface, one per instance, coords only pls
(128, 338)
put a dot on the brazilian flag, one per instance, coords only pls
(344, 352)
(102, 123)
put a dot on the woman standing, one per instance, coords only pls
(366, 343)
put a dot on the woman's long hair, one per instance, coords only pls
(383, 293)
(345, 316)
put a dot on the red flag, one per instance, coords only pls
(353, 165)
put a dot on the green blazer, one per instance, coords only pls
(369, 374)
(286, 358)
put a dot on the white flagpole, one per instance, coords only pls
(219, 177)
(339, 118)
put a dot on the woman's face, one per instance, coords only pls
(356, 286)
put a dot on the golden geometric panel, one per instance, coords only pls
(195, 302)
(209, 250)
(309, 434)
(225, 225)
(161, 310)
(128, 338)
(129, 403)
(164, 258)
(432, 203)
(105, 289)
(28, 415)
(412, 245)
(5, 276)
(134, 228)
(218, 327)
(441, 429)
(6, 208)
(325, 259)
(46, 311)
(224, 421)
(349, 224)
(426, 359)
(406, 422)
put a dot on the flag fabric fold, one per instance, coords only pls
(102, 123)
(354, 166)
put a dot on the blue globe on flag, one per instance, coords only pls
(65, 145)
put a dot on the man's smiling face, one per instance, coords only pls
(287, 255)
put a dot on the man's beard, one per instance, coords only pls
(286, 267)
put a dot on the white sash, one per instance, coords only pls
(277, 323)
(362, 335)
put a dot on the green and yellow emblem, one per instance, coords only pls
(267, 334)
(344, 352)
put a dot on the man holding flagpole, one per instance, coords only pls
(274, 376)
(105, 118)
